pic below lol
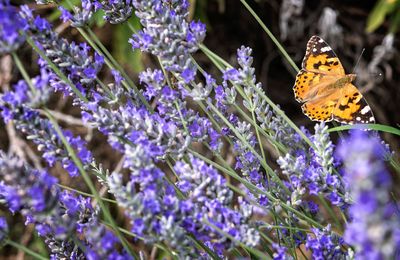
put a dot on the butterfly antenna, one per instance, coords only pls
(358, 60)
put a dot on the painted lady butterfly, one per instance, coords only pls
(325, 89)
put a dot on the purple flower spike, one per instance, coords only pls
(374, 227)
(11, 23)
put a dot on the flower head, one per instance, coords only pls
(11, 23)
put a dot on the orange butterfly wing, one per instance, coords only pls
(316, 86)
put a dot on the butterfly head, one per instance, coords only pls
(351, 77)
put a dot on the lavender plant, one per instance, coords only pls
(60, 217)
(373, 228)
(210, 167)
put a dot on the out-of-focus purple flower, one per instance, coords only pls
(117, 77)
(11, 23)
(374, 227)
(280, 253)
(41, 24)
(324, 244)
(231, 75)
(3, 229)
(65, 14)
(188, 75)
(68, 223)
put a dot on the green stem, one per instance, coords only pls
(330, 211)
(23, 72)
(278, 146)
(254, 188)
(25, 249)
(271, 35)
(132, 28)
(201, 245)
(258, 137)
(106, 89)
(266, 167)
(285, 227)
(111, 58)
(254, 251)
(85, 193)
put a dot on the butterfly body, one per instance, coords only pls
(342, 82)
(326, 91)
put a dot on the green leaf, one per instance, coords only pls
(122, 49)
(377, 127)
(98, 19)
(378, 14)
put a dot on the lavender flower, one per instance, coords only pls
(11, 23)
(129, 124)
(280, 253)
(314, 173)
(18, 106)
(158, 215)
(72, 59)
(3, 229)
(150, 202)
(269, 120)
(247, 161)
(167, 34)
(211, 199)
(116, 11)
(81, 16)
(59, 217)
(374, 226)
(324, 244)
(170, 105)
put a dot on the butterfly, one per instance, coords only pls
(326, 90)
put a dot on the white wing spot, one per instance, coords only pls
(321, 41)
(372, 119)
(314, 50)
(326, 49)
(365, 110)
(358, 118)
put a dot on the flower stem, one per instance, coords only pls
(25, 249)
(271, 35)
